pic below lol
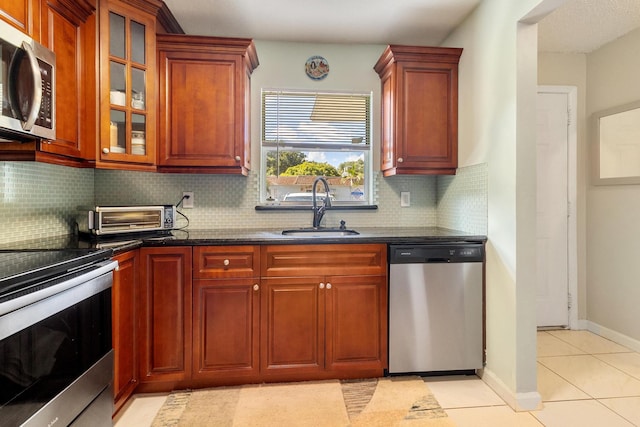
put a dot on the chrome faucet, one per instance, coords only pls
(318, 211)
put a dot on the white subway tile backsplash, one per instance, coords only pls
(225, 201)
(40, 200)
(462, 200)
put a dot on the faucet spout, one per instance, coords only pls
(318, 211)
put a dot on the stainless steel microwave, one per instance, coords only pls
(27, 87)
(106, 220)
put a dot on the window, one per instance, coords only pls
(310, 134)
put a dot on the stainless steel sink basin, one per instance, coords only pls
(319, 232)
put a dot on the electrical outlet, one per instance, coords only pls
(187, 203)
(405, 199)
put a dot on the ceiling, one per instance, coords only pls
(577, 26)
(425, 22)
(585, 25)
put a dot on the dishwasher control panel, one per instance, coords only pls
(428, 253)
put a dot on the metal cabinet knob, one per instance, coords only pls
(400, 160)
(321, 285)
(328, 285)
(105, 150)
(238, 158)
(256, 287)
(226, 262)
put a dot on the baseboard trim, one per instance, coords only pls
(528, 401)
(612, 335)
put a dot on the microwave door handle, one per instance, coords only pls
(37, 87)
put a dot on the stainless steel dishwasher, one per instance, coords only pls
(435, 307)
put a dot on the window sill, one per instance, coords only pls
(308, 208)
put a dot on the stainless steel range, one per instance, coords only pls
(56, 357)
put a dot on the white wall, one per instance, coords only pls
(570, 69)
(613, 212)
(282, 67)
(497, 126)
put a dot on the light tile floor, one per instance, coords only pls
(584, 380)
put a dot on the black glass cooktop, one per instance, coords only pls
(22, 268)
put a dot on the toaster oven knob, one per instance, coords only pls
(105, 150)
(237, 158)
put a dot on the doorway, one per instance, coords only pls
(556, 216)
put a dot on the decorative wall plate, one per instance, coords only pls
(316, 67)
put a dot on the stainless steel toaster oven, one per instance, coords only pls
(103, 220)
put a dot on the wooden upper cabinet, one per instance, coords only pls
(22, 14)
(69, 29)
(127, 84)
(205, 85)
(419, 110)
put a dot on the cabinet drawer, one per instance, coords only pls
(310, 260)
(212, 262)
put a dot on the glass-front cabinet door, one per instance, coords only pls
(128, 69)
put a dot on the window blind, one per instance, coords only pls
(316, 120)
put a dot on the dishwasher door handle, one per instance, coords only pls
(435, 260)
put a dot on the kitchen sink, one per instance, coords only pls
(320, 232)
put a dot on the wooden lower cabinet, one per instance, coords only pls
(356, 323)
(165, 307)
(323, 325)
(225, 329)
(222, 315)
(226, 314)
(125, 278)
(292, 326)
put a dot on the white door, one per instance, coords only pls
(553, 210)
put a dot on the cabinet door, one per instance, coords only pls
(205, 103)
(125, 278)
(226, 328)
(22, 14)
(356, 319)
(66, 32)
(427, 122)
(127, 92)
(165, 313)
(202, 124)
(292, 326)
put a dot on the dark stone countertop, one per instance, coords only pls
(123, 243)
(392, 235)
